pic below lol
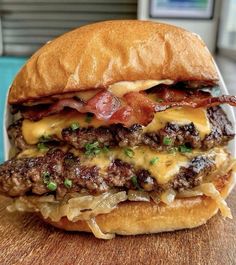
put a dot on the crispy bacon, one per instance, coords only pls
(197, 102)
(123, 115)
(175, 95)
(38, 112)
(103, 105)
(134, 107)
(143, 107)
(171, 97)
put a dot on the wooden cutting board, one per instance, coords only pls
(25, 239)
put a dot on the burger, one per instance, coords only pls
(117, 128)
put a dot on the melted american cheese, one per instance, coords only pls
(181, 116)
(54, 124)
(163, 170)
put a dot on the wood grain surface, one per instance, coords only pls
(25, 239)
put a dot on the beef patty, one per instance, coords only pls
(62, 172)
(118, 135)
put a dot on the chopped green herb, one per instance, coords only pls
(154, 160)
(52, 186)
(129, 152)
(167, 141)
(74, 126)
(46, 177)
(159, 100)
(68, 183)
(45, 138)
(92, 148)
(89, 117)
(172, 150)
(42, 147)
(105, 149)
(185, 149)
(135, 182)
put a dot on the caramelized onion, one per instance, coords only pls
(138, 195)
(189, 193)
(168, 196)
(81, 207)
(210, 190)
(97, 231)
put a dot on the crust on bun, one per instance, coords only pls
(133, 218)
(101, 54)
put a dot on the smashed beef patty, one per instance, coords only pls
(61, 172)
(118, 135)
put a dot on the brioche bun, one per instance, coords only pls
(132, 218)
(101, 54)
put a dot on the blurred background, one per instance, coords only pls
(25, 25)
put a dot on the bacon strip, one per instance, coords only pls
(143, 107)
(37, 113)
(103, 105)
(175, 95)
(197, 103)
(135, 107)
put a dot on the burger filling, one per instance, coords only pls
(81, 156)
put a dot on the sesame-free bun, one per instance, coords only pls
(132, 218)
(101, 54)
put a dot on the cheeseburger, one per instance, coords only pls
(116, 128)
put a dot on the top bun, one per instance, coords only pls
(100, 54)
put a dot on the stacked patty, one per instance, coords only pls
(60, 171)
(118, 135)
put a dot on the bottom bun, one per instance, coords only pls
(132, 218)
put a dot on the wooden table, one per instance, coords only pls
(25, 239)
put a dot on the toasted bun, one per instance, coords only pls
(132, 218)
(101, 54)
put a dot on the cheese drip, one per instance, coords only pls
(54, 124)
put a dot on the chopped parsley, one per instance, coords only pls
(92, 148)
(74, 126)
(105, 149)
(46, 177)
(68, 183)
(45, 138)
(185, 149)
(95, 148)
(154, 160)
(167, 141)
(52, 186)
(129, 152)
(42, 147)
(135, 182)
(89, 117)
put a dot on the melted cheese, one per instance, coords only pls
(163, 170)
(119, 89)
(181, 116)
(54, 124)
